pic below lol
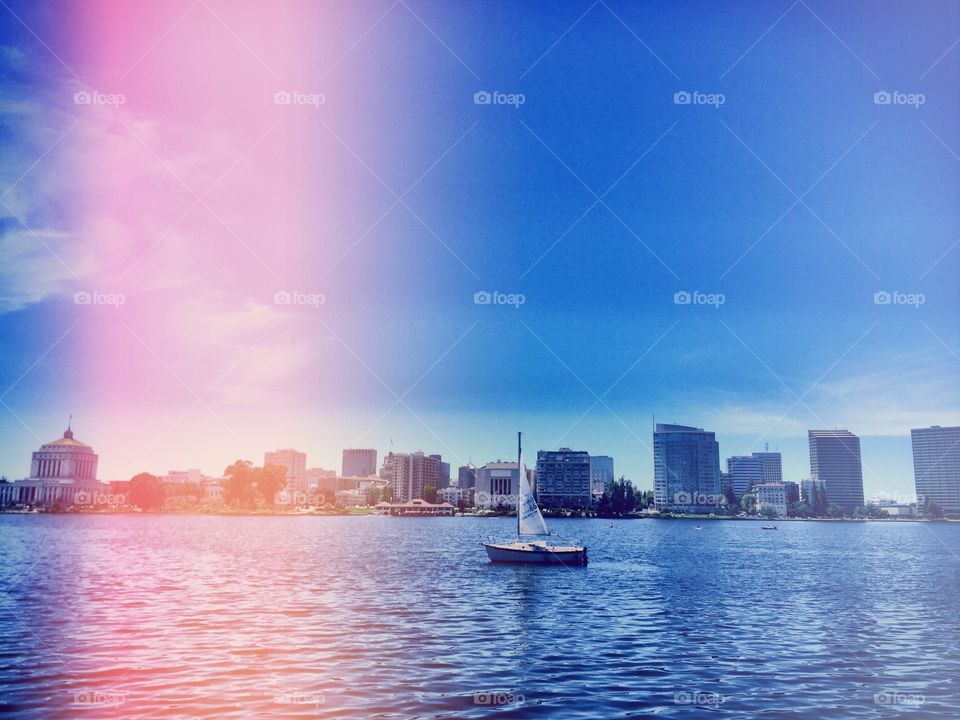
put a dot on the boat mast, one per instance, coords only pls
(519, 481)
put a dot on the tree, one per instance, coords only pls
(932, 510)
(146, 492)
(730, 496)
(430, 493)
(749, 503)
(834, 510)
(386, 494)
(270, 480)
(603, 505)
(619, 498)
(768, 512)
(798, 509)
(238, 485)
(819, 500)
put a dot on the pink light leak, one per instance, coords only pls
(202, 194)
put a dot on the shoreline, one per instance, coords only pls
(293, 513)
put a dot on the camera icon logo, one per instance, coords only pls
(682, 297)
(282, 98)
(482, 97)
(482, 297)
(682, 98)
(82, 297)
(882, 298)
(882, 98)
(82, 97)
(282, 297)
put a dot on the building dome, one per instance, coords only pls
(65, 459)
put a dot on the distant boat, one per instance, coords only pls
(768, 527)
(699, 527)
(530, 522)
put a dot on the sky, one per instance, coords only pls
(227, 227)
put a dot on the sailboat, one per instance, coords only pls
(530, 522)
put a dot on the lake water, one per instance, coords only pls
(191, 616)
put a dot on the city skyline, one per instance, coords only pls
(305, 463)
(681, 260)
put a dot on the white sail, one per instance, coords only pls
(530, 520)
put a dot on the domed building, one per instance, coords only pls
(62, 471)
(64, 460)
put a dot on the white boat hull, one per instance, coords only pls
(536, 553)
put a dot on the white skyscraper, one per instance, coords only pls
(936, 467)
(296, 464)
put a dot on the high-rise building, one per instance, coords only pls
(686, 469)
(601, 473)
(467, 476)
(745, 471)
(835, 461)
(563, 478)
(936, 467)
(410, 473)
(359, 462)
(443, 480)
(296, 464)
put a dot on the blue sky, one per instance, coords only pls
(797, 199)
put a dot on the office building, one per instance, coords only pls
(467, 476)
(771, 496)
(936, 467)
(410, 473)
(295, 464)
(444, 476)
(686, 469)
(601, 473)
(745, 471)
(835, 461)
(359, 462)
(563, 478)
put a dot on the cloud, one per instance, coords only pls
(906, 391)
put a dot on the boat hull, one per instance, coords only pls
(536, 554)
